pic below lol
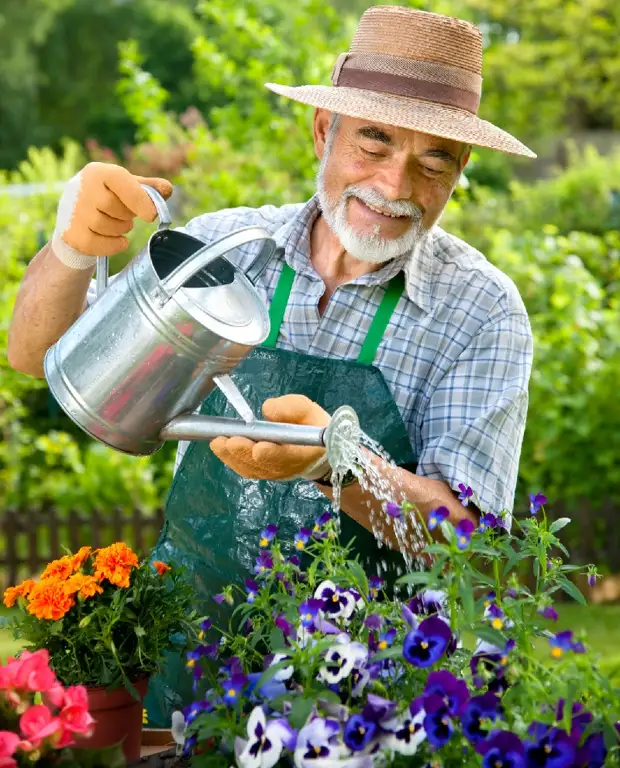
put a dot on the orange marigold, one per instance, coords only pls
(160, 567)
(21, 590)
(49, 600)
(87, 586)
(59, 569)
(80, 557)
(114, 563)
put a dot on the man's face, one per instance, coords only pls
(382, 188)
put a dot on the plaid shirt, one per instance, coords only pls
(456, 355)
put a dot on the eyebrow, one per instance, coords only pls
(441, 154)
(375, 134)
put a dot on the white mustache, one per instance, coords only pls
(371, 196)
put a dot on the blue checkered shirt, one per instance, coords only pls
(456, 355)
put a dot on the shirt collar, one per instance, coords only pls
(294, 238)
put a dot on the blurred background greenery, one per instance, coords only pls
(175, 88)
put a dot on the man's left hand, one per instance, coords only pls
(271, 461)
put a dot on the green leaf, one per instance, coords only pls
(415, 577)
(512, 559)
(558, 524)
(359, 575)
(300, 711)
(490, 635)
(395, 652)
(140, 631)
(276, 639)
(447, 530)
(570, 589)
(328, 696)
(484, 549)
(56, 627)
(270, 672)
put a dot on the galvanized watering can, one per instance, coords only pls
(140, 360)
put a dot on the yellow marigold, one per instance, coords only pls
(80, 557)
(21, 590)
(59, 569)
(114, 563)
(49, 600)
(87, 586)
(160, 567)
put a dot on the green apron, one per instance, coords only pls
(214, 516)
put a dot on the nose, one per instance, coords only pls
(394, 180)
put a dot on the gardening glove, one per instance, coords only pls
(97, 209)
(270, 461)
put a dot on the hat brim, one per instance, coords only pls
(415, 114)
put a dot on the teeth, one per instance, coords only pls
(383, 213)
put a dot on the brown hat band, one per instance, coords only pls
(427, 80)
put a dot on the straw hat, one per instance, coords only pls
(411, 69)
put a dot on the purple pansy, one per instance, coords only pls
(437, 721)
(592, 576)
(548, 612)
(341, 659)
(502, 749)
(285, 626)
(393, 510)
(426, 645)
(465, 494)
(464, 530)
(562, 642)
(219, 599)
(375, 583)
(302, 537)
(233, 688)
(437, 516)
(358, 732)
(593, 752)
(479, 708)
(264, 562)
(204, 627)
(386, 639)
(373, 621)
(309, 610)
(537, 500)
(191, 712)
(487, 521)
(428, 602)
(317, 740)
(294, 560)
(378, 709)
(549, 748)
(267, 535)
(452, 691)
(252, 588)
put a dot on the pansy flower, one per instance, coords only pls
(477, 710)
(428, 602)
(301, 538)
(487, 521)
(233, 688)
(452, 691)
(593, 752)
(267, 535)
(394, 510)
(464, 529)
(336, 602)
(252, 588)
(465, 494)
(360, 677)
(318, 740)
(285, 626)
(548, 612)
(373, 621)
(405, 733)
(204, 627)
(563, 642)
(375, 583)
(427, 644)
(537, 500)
(386, 639)
(437, 722)
(502, 750)
(264, 562)
(378, 709)
(266, 740)
(437, 516)
(549, 748)
(309, 610)
(341, 659)
(358, 732)
(191, 712)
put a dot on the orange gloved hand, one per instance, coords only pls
(270, 461)
(97, 209)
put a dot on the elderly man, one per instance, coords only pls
(371, 304)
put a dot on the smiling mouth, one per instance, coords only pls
(380, 211)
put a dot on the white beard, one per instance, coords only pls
(370, 248)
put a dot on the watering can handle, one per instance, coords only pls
(163, 214)
(178, 277)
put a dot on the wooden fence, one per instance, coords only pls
(30, 538)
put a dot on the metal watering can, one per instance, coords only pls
(137, 364)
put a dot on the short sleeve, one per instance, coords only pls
(474, 421)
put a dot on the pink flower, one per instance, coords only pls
(74, 715)
(55, 696)
(8, 745)
(37, 724)
(31, 672)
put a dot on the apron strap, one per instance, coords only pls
(379, 323)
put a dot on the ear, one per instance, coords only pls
(465, 158)
(322, 119)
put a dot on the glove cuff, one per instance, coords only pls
(69, 256)
(318, 470)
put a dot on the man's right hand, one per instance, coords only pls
(96, 211)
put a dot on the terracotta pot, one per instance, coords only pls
(118, 718)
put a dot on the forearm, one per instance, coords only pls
(422, 492)
(50, 299)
